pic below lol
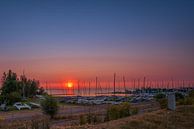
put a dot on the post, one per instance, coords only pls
(171, 101)
(96, 85)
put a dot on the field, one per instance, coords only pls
(68, 115)
(150, 116)
(182, 118)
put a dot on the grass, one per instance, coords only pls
(35, 123)
(182, 118)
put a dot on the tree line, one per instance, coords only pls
(15, 88)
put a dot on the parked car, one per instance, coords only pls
(4, 107)
(20, 106)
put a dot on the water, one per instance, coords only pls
(84, 92)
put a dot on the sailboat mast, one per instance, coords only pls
(96, 85)
(114, 82)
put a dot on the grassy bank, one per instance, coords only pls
(182, 118)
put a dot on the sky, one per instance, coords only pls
(56, 40)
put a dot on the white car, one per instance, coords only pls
(20, 106)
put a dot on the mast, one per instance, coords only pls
(89, 88)
(134, 84)
(23, 90)
(96, 85)
(114, 82)
(124, 83)
(138, 84)
(78, 88)
(144, 82)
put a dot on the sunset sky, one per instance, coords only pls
(56, 40)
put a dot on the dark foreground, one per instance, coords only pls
(182, 118)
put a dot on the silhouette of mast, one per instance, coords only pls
(114, 82)
(78, 88)
(23, 90)
(124, 83)
(89, 88)
(96, 85)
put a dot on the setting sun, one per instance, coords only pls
(69, 84)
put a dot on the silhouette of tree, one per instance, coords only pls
(12, 85)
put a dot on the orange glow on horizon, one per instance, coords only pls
(69, 84)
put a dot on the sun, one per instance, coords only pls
(69, 84)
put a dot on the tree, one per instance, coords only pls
(41, 91)
(14, 97)
(29, 87)
(16, 87)
(9, 83)
(49, 106)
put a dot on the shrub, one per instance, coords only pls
(191, 94)
(49, 106)
(124, 110)
(1, 99)
(113, 112)
(179, 96)
(188, 101)
(119, 111)
(82, 120)
(160, 96)
(89, 118)
(134, 111)
(163, 103)
(14, 97)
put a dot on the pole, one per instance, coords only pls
(114, 82)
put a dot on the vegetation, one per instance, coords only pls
(83, 120)
(191, 94)
(179, 96)
(14, 97)
(188, 100)
(161, 98)
(14, 88)
(182, 118)
(35, 123)
(49, 106)
(120, 111)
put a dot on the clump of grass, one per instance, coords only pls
(35, 123)
(119, 111)
(181, 119)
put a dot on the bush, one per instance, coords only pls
(134, 111)
(191, 94)
(49, 106)
(160, 96)
(179, 96)
(82, 120)
(14, 97)
(2, 99)
(188, 101)
(120, 111)
(124, 110)
(89, 118)
(113, 112)
(163, 103)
